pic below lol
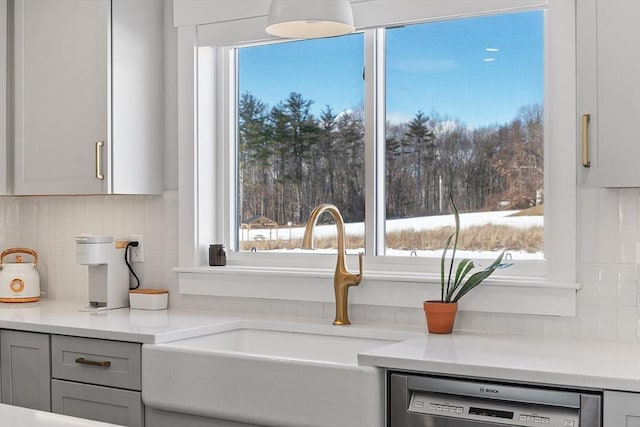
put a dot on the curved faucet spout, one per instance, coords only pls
(342, 278)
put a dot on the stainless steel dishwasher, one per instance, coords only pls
(426, 401)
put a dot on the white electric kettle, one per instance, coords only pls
(19, 281)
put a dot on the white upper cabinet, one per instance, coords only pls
(609, 92)
(6, 161)
(88, 96)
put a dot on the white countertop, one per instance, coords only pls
(143, 326)
(23, 417)
(535, 360)
(573, 363)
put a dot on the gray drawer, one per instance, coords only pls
(79, 359)
(97, 403)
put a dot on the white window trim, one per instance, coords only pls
(204, 219)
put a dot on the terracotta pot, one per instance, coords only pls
(440, 316)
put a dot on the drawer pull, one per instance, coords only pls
(103, 364)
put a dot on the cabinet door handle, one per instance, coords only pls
(99, 146)
(585, 140)
(102, 364)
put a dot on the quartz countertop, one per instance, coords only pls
(534, 360)
(17, 416)
(161, 326)
(143, 326)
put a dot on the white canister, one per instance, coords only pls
(149, 299)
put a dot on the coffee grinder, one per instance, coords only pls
(108, 273)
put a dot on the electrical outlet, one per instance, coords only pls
(137, 252)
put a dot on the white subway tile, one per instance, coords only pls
(316, 310)
(607, 318)
(517, 325)
(589, 279)
(627, 324)
(534, 326)
(588, 225)
(277, 308)
(607, 237)
(588, 325)
(373, 314)
(387, 315)
(628, 224)
(608, 281)
(403, 316)
(627, 286)
(464, 321)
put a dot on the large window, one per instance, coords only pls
(464, 118)
(467, 97)
(464, 113)
(300, 140)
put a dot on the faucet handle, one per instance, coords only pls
(359, 275)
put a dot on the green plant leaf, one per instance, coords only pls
(464, 267)
(455, 242)
(460, 286)
(442, 260)
(479, 276)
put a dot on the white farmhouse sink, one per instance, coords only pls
(270, 375)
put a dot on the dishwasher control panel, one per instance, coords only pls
(494, 411)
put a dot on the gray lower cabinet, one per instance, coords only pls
(26, 372)
(97, 379)
(116, 406)
(621, 409)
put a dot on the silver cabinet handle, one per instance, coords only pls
(99, 146)
(102, 364)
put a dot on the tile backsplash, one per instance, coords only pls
(50, 224)
(609, 227)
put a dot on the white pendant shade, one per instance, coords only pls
(309, 18)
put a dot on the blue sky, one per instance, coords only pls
(478, 70)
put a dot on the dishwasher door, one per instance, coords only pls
(425, 401)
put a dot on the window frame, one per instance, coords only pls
(556, 274)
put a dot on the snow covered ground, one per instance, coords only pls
(418, 224)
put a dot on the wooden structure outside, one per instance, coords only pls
(258, 222)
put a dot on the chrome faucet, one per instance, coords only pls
(342, 279)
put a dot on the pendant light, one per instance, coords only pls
(309, 18)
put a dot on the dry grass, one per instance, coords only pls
(476, 238)
(534, 211)
(486, 237)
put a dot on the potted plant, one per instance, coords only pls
(441, 313)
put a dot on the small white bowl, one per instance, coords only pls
(148, 299)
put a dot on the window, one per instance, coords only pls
(301, 126)
(542, 285)
(300, 140)
(464, 113)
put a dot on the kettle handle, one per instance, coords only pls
(20, 251)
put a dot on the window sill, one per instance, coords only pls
(378, 288)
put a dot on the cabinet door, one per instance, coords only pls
(609, 90)
(97, 403)
(5, 158)
(61, 95)
(621, 409)
(26, 370)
